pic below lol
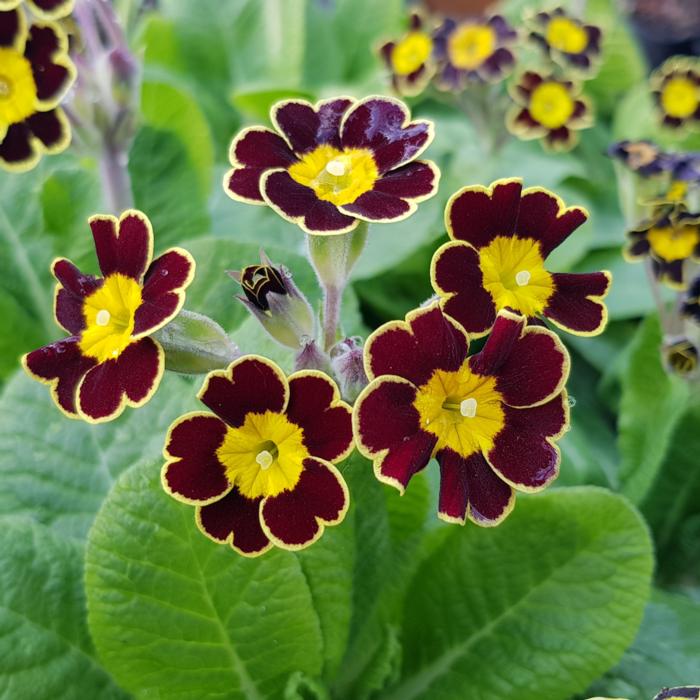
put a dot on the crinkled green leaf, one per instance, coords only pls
(46, 647)
(535, 608)
(174, 615)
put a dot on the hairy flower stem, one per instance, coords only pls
(333, 258)
(666, 322)
(116, 182)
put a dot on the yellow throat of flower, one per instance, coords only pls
(336, 176)
(265, 456)
(673, 242)
(680, 97)
(462, 409)
(411, 52)
(109, 317)
(551, 105)
(470, 45)
(514, 275)
(17, 87)
(563, 34)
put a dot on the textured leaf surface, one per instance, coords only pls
(175, 615)
(44, 641)
(536, 608)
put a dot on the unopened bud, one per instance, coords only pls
(347, 362)
(312, 357)
(681, 356)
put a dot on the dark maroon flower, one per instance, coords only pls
(334, 163)
(110, 361)
(35, 73)
(501, 236)
(260, 469)
(646, 158)
(491, 420)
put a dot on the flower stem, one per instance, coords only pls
(116, 182)
(666, 324)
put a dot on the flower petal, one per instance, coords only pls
(387, 431)
(418, 180)
(295, 519)
(53, 74)
(544, 217)
(470, 488)
(62, 366)
(251, 384)
(383, 125)
(163, 292)
(73, 287)
(129, 380)
(51, 129)
(300, 205)
(234, 519)
(576, 305)
(124, 246)
(12, 29)
(414, 349)
(378, 206)
(457, 278)
(51, 9)
(524, 453)
(307, 127)
(18, 148)
(252, 153)
(315, 406)
(529, 362)
(478, 214)
(193, 473)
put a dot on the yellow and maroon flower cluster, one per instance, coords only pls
(35, 74)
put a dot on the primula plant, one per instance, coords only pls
(315, 392)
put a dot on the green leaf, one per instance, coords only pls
(46, 647)
(170, 109)
(651, 404)
(175, 615)
(535, 608)
(665, 652)
(57, 470)
(255, 101)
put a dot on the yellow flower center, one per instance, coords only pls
(677, 191)
(673, 242)
(470, 45)
(17, 87)
(514, 274)
(109, 317)
(551, 105)
(680, 97)
(565, 35)
(411, 52)
(462, 409)
(265, 456)
(336, 176)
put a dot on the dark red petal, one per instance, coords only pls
(543, 217)
(194, 474)
(50, 9)
(470, 487)
(10, 26)
(412, 181)
(295, 519)
(51, 79)
(128, 252)
(244, 183)
(478, 214)
(301, 205)
(529, 369)
(74, 287)
(382, 125)
(576, 304)
(387, 429)
(430, 341)
(251, 384)
(50, 128)
(163, 289)
(131, 378)
(521, 453)
(16, 148)
(327, 429)
(257, 147)
(457, 277)
(377, 206)
(306, 127)
(42, 44)
(61, 365)
(524, 118)
(234, 519)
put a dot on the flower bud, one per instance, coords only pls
(272, 297)
(312, 357)
(681, 356)
(347, 361)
